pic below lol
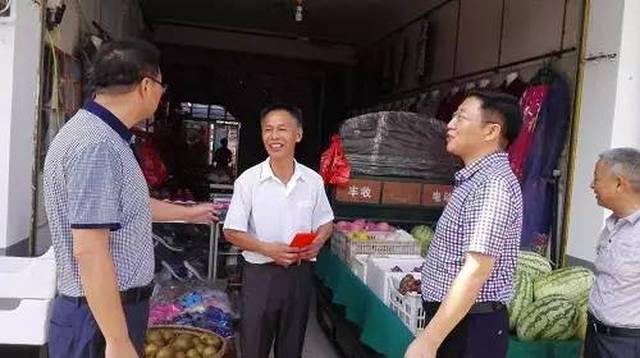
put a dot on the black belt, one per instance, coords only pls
(477, 308)
(601, 328)
(132, 295)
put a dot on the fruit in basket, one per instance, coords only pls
(213, 341)
(165, 352)
(358, 225)
(150, 350)
(409, 284)
(193, 353)
(360, 235)
(181, 344)
(344, 226)
(167, 335)
(423, 234)
(384, 227)
(209, 352)
(155, 337)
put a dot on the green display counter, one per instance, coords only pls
(383, 332)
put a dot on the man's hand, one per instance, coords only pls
(421, 348)
(201, 214)
(283, 255)
(122, 349)
(311, 251)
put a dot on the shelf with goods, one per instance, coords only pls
(357, 320)
(220, 195)
(405, 201)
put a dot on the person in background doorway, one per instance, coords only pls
(100, 213)
(271, 202)
(613, 328)
(468, 274)
(223, 154)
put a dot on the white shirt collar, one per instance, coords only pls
(613, 220)
(267, 173)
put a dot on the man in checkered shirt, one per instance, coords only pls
(100, 212)
(467, 277)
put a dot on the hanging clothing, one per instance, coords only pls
(537, 185)
(530, 104)
(515, 88)
(428, 105)
(449, 105)
(422, 49)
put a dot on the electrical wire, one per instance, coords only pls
(6, 6)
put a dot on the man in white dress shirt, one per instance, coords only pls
(613, 328)
(272, 202)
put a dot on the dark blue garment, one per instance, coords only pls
(74, 333)
(537, 184)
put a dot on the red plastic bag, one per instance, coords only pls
(155, 172)
(334, 166)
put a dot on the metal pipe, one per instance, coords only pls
(575, 126)
(37, 134)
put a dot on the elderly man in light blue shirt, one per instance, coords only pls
(613, 328)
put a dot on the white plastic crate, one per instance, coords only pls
(399, 242)
(24, 321)
(27, 289)
(28, 277)
(407, 307)
(359, 266)
(379, 272)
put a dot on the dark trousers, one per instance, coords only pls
(600, 345)
(74, 333)
(275, 304)
(478, 335)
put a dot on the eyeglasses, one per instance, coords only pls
(165, 86)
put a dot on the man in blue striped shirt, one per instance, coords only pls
(468, 274)
(100, 212)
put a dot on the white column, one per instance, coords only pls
(609, 112)
(19, 59)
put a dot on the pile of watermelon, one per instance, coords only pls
(423, 234)
(549, 304)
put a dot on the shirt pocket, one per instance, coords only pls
(304, 215)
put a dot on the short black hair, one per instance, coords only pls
(294, 111)
(507, 106)
(224, 141)
(120, 64)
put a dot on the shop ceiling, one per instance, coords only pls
(348, 22)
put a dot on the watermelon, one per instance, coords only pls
(522, 297)
(571, 282)
(423, 234)
(549, 318)
(534, 264)
(581, 322)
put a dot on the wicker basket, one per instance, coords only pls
(195, 332)
(345, 249)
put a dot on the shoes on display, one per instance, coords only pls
(177, 270)
(197, 268)
(167, 242)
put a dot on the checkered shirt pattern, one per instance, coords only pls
(484, 215)
(92, 180)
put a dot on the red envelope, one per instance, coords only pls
(302, 239)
